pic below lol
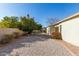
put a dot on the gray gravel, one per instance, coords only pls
(34, 45)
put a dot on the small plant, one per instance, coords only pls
(25, 33)
(56, 35)
(16, 34)
(6, 38)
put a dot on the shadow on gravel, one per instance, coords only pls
(39, 37)
(25, 41)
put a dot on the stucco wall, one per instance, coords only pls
(70, 31)
(48, 30)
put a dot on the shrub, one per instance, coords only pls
(6, 38)
(25, 33)
(16, 34)
(56, 35)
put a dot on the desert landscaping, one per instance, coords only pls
(39, 29)
(35, 44)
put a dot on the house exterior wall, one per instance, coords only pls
(58, 27)
(50, 29)
(70, 31)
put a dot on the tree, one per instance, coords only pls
(28, 16)
(5, 23)
(9, 22)
(53, 20)
(28, 24)
(39, 27)
(14, 22)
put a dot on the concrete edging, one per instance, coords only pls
(73, 54)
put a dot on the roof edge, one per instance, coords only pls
(66, 19)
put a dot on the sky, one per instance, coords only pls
(40, 11)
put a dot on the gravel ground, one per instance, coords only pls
(34, 45)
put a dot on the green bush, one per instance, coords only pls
(6, 38)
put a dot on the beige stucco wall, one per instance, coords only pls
(58, 27)
(50, 30)
(70, 31)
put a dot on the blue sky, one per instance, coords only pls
(41, 12)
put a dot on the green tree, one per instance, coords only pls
(13, 22)
(28, 24)
(24, 23)
(5, 23)
(9, 22)
(39, 26)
